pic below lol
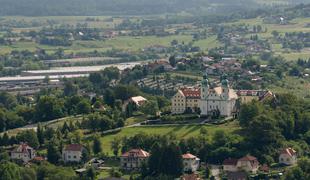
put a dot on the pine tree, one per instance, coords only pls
(40, 134)
(154, 159)
(97, 146)
(53, 154)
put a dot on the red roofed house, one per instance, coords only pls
(230, 165)
(132, 160)
(184, 99)
(72, 153)
(23, 152)
(190, 162)
(247, 163)
(288, 156)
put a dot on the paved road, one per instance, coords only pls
(35, 125)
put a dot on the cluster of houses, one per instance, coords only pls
(211, 99)
(134, 158)
(25, 153)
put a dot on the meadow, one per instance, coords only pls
(180, 132)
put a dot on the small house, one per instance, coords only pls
(133, 159)
(190, 162)
(288, 156)
(72, 153)
(23, 152)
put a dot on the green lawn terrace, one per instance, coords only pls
(180, 131)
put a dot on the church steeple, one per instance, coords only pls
(225, 86)
(204, 87)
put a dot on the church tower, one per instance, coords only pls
(204, 91)
(225, 86)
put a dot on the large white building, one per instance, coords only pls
(221, 99)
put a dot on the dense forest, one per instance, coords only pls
(103, 7)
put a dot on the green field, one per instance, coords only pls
(297, 86)
(180, 131)
(127, 43)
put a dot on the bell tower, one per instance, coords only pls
(204, 91)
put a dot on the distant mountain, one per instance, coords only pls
(120, 7)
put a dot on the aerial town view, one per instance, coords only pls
(154, 90)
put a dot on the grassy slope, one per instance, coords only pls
(181, 131)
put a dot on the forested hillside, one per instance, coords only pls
(103, 7)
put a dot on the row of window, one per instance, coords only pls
(69, 157)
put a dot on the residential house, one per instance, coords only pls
(288, 156)
(23, 152)
(72, 153)
(230, 165)
(247, 163)
(133, 159)
(136, 100)
(190, 162)
(160, 64)
(185, 98)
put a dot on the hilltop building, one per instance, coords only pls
(209, 100)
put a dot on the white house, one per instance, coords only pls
(247, 163)
(288, 157)
(190, 162)
(133, 159)
(136, 100)
(220, 99)
(72, 153)
(23, 152)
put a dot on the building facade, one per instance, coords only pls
(247, 163)
(72, 153)
(288, 157)
(133, 159)
(221, 99)
(23, 152)
(190, 162)
(247, 96)
(185, 98)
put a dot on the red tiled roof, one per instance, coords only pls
(136, 153)
(191, 92)
(248, 158)
(22, 148)
(188, 156)
(38, 158)
(74, 147)
(253, 160)
(289, 151)
(230, 161)
(190, 177)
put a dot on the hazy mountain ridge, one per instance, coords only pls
(103, 7)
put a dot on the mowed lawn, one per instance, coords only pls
(180, 131)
